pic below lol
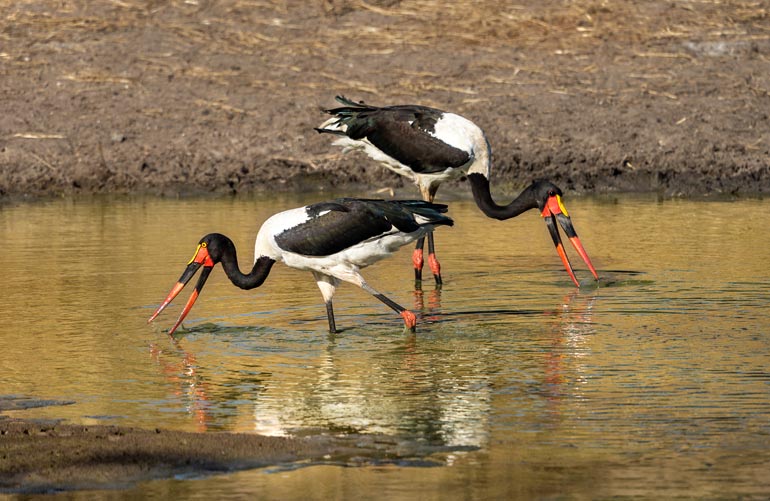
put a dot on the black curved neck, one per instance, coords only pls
(256, 276)
(480, 186)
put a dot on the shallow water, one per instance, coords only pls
(652, 383)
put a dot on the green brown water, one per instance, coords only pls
(653, 383)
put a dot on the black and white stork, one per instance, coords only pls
(430, 146)
(332, 239)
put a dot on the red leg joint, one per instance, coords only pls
(410, 321)
(417, 259)
(434, 266)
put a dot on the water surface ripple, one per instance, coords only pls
(652, 383)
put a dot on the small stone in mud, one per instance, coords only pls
(117, 137)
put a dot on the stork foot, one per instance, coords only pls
(435, 267)
(410, 320)
(418, 262)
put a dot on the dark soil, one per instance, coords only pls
(40, 457)
(47, 456)
(222, 96)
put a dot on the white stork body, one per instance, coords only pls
(332, 239)
(338, 264)
(430, 146)
(449, 130)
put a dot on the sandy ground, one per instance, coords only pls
(46, 457)
(192, 96)
(196, 96)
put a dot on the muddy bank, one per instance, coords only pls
(222, 96)
(45, 456)
(39, 457)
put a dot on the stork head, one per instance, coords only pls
(548, 197)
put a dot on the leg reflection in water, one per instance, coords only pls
(185, 383)
(433, 312)
(570, 329)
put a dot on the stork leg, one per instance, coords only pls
(433, 261)
(418, 262)
(429, 195)
(328, 285)
(410, 320)
(330, 317)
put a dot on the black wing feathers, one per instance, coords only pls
(415, 148)
(401, 132)
(351, 221)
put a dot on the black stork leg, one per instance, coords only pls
(330, 317)
(418, 261)
(327, 284)
(429, 195)
(433, 261)
(410, 320)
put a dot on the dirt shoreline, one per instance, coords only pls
(38, 457)
(44, 456)
(222, 96)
